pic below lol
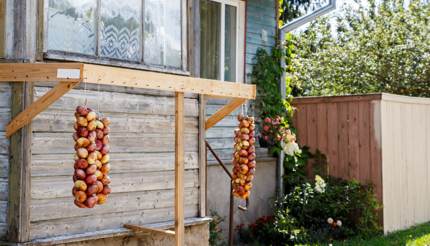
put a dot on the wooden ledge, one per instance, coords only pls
(108, 75)
(138, 229)
(119, 232)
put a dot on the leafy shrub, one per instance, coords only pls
(380, 47)
(261, 232)
(215, 230)
(347, 203)
(315, 211)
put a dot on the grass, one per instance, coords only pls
(415, 236)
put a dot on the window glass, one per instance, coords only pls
(139, 31)
(72, 26)
(162, 33)
(230, 43)
(210, 31)
(120, 29)
(172, 22)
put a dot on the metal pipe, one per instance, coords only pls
(231, 217)
(219, 160)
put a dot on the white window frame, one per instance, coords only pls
(44, 53)
(240, 37)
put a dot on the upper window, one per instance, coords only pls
(222, 30)
(135, 31)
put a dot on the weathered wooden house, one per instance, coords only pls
(214, 39)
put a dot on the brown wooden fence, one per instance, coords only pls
(382, 139)
(345, 129)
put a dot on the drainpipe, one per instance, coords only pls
(282, 87)
(282, 31)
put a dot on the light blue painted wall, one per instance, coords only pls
(261, 18)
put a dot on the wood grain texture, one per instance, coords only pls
(70, 226)
(42, 187)
(168, 82)
(223, 112)
(137, 228)
(405, 148)
(340, 127)
(2, 27)
(61, 208)
(33, 109)
(202, 157)
(179, 169)
(379, 141)
(19, 171)
(5, 111)
(35, 72)
(142, 159)
(108, 75)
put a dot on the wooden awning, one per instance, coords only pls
(68, 75)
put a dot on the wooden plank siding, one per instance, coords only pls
(5, 99)
(143, 153)
(341, 128)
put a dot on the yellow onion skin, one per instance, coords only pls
(244, 157)
(92, 160)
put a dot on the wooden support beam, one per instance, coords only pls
(41, 72)
(18, 216)
(25, 117)
(137, 228)
(108, 75)
(223, 112)
(167, 82)
(179, 169)
(202, 157)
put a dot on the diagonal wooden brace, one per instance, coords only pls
(138, 228)
(223, 112)
(25, 117)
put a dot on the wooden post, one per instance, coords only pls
(19, 173)
(179, 169)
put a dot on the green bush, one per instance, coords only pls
(315, 211)
(380, 47)
(308, 209)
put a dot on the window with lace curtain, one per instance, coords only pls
(148, 32)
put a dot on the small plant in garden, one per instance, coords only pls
(215, 230)
(261, 232)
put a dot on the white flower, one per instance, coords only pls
(291, 148)
(319, 184)
(339, 223)
(330, 221)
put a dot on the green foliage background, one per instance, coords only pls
(374, 48)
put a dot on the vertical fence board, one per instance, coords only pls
(381, 139)
(375, 148)
(364, 141)
(332, 140)
(312, 137)
(301, 124)
(343, 140)
(322, 131)
(342, 129)
(353, 141)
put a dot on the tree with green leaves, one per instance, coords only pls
(382, 47)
